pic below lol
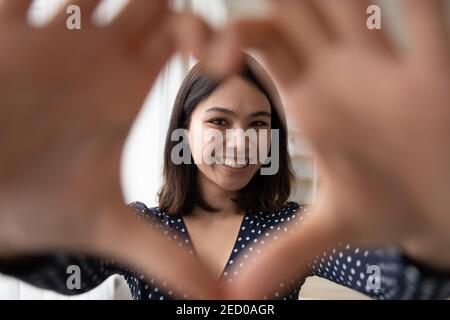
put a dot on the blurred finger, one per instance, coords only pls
(322, 119)
(429, 33)
(283, 263)
(180, 31)
(190, 33)
(139, 16)
(303, 25)
(154, 254)
(14, 7)
(348, 19)
(262, 36)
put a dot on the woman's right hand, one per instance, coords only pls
(67, 102)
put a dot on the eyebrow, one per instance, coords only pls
(233, 114)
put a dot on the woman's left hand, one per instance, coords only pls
(378, 119)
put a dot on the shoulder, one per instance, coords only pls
(285, 213)
(291, 209)
(154, 214)
(142, 211)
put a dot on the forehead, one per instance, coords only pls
(238, 95)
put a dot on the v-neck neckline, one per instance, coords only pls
(231, 255)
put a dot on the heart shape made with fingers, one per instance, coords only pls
(63, 125)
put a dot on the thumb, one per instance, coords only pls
(144, 247)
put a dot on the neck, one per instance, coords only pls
(217, 197)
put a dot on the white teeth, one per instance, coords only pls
(235, 164)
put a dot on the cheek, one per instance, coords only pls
(203, 145)
(264, 145)
(196, 141)
(199, 144)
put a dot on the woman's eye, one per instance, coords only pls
(259, 124)
(218, 122)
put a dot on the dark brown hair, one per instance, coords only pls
(180, 193)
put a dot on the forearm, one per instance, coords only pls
(65, 274)
(382, 273)
(432, 252)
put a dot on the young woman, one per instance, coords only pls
(223, 210)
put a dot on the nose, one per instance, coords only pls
(236, 144)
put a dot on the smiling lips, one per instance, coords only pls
(233, 163)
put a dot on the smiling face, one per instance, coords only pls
(235, 105)
(247, 102)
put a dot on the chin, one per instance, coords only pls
(231, 186)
